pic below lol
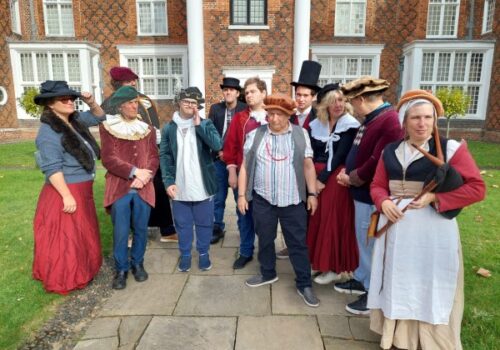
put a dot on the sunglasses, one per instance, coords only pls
(65, 99)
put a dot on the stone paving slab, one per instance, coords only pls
(360, 328)
(334, 326)
(278, 333)
(161, 260)
(286, 301)
(131, 330)
(156, 296)
(341, 344)
(98, 344)
(222, 296)
(186, 333)
(103, 328)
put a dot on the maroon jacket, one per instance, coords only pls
(119, 157)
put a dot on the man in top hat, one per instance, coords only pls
(283, 149)
(161, 214)
(305, 90)
(380, 127)
(221, 115)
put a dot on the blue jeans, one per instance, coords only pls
(246, 228)
(362, 212)
(220, 197)
(199, 214)
(129, 210)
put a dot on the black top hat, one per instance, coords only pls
(229, 82)
(327, 88)
(54, 88)
(309, 75)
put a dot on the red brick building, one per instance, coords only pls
(413, 44)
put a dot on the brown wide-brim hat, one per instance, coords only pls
(363, 85)
(279, 101)
(422, 94)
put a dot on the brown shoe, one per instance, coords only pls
(170, 239)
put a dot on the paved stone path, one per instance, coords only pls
(216, 310)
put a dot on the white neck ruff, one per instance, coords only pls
(124, 129)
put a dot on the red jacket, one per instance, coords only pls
(119, 157)
(473, 190)
(240, 126)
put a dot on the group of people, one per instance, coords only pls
(360, 188)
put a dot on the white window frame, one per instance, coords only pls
(89, 68)
(4, 95)
(153, 51)
(413, 64)
(372, 52)
(350, 32)
(442, 4)
(488, 13)
(15, 16)
(244, 73)
(151, 2)
(59, 16)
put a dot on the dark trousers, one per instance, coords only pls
(293, 221)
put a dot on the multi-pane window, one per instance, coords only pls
(350, 17)
(488, 13)
(453, 69)
(342, 69)
(58, 16)
(36, 67)
(159, 76)
(152, 17)
(248, 12)
(442, 18)
(15, 16)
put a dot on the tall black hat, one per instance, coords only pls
(229, 82)
(309, 75)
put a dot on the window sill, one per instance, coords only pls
(151, 34)
(349, 35)
(248, 27)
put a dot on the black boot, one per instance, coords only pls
(120, 280)
(217, 235)
(139, 273)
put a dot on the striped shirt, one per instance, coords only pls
(275, 179)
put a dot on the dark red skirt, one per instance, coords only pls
(331, 238)
(67, 253)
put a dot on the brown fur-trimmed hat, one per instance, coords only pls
(422, 94)
(281, 102)
(363, 85)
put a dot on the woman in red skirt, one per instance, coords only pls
(67, 253)
(330, 235)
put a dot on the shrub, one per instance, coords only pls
(26, 101)
(455, 103)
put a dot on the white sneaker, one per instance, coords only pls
(327, 277)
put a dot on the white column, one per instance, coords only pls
(302, 27)
(196, 50)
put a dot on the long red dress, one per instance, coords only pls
(331, 237)
(67, 252)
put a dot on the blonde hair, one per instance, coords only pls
(327, 100)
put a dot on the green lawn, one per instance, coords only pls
(24, 305)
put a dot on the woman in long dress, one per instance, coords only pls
(67, 252)
(330, 235)
(416, 293)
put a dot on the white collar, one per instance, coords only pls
(306, 111)
(321, 131)
(124, 129)
(259, 116)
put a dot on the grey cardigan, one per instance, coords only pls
(52, 158)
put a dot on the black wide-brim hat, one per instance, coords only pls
(309, 75)
(54, 88)
(326, 89)
(230, 82)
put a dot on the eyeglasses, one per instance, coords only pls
(65, 99)
(189, 103)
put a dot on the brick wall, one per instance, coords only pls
(223, 50)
